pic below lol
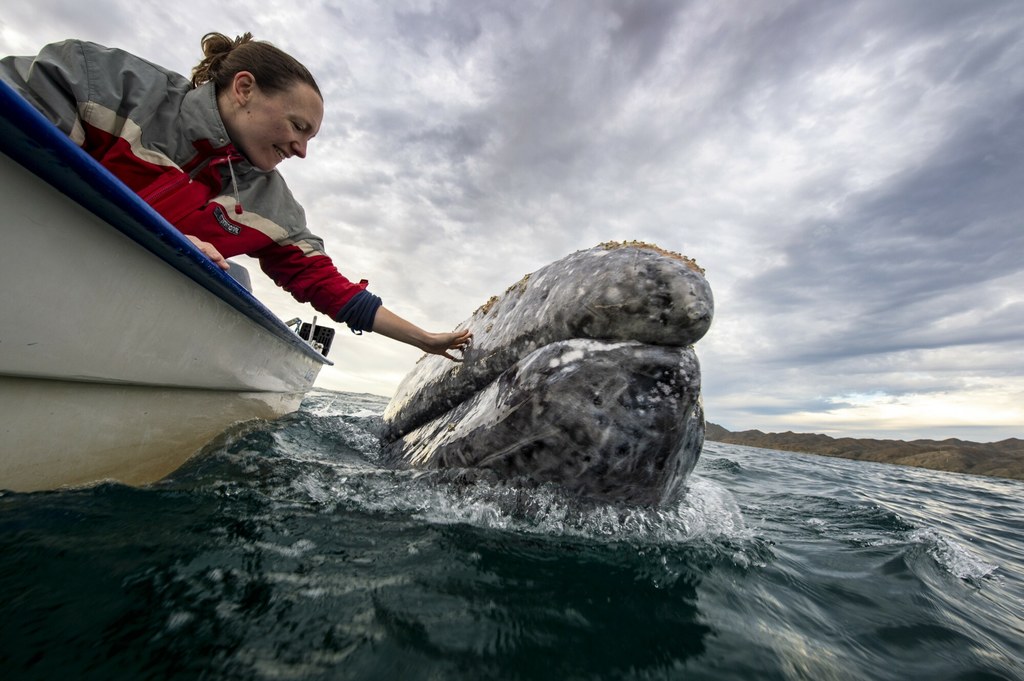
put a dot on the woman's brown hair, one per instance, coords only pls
(274, 69)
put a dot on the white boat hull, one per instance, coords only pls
(122, 349)
(84, 302)
(70, 433)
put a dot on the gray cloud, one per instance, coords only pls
(848, 173)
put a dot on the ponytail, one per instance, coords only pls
(273, 69)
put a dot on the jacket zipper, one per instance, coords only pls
(162, 189)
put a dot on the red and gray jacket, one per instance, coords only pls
(166, 140)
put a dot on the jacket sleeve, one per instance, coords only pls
(294, 259)
(54, 82)
(290, 254)
(310, 276)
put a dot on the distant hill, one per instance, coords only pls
(1003, 459)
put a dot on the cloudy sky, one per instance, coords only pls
(850, 175)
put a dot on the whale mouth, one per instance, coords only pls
(607, 421)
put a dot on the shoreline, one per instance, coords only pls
(1003, 459)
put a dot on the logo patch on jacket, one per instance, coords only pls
(222, 220)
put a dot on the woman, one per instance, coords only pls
(203, 152)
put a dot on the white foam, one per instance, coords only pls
(707, 512)
(953, 556)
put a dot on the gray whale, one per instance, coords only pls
(582, 374)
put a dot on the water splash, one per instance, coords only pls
(953, 556)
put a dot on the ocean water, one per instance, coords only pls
(284, 551)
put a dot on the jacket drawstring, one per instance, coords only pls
(234, 187)
(220, 160)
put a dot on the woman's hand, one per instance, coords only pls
(210, 252)
(387, 323)
(442, 343)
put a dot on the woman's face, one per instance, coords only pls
(270, 127)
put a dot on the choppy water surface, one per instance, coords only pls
(286, 552)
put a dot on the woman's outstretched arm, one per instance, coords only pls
(387, 323)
